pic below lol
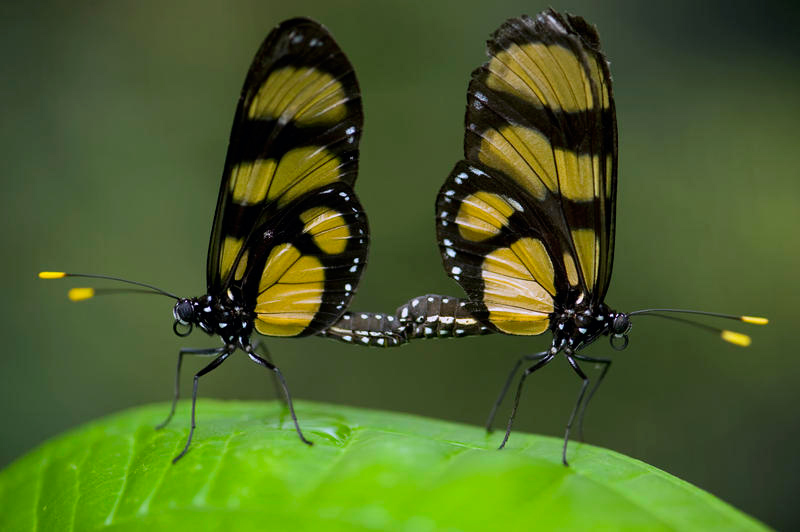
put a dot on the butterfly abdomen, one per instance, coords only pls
(436, 316)
(368, 328)
(428, 316)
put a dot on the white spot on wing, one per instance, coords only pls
(514, 203)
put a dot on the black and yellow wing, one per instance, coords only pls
(526, 222)
(290, 238)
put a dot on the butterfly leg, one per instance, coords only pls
(544, 360)
(606, 362)
(185, 351)
(584, 385)
(261, 348)
(212, 366)
(272, 367)
(504, 390)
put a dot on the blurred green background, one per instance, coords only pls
(115, 122)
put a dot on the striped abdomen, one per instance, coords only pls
(429, 316)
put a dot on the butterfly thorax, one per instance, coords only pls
(220, 315)
(574, 328)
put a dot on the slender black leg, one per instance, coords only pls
(545, 359)
(261, 349)
(606, 365)
(185, 351)
(511, 375)
(272, 367)
(214, 364)
(585, 383)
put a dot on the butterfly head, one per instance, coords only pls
(577, 327)
(214, 315)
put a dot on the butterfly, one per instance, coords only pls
(289, 239)
(526, 221)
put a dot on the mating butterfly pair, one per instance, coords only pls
(525, 222)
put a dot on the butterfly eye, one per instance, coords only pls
(621, 325)
(183, 311)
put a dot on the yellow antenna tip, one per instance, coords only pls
(755, 320)
(736, 338)
(80, 294)
(52, 275)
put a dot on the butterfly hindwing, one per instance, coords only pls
(301, 267)
(540, 113)
(501, 250)
(296, 130)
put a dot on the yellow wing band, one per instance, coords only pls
(586, 245)
(299, 171)
(328, 229)
(525, 155)
(304, 95)
(230, 250)
(545, 75)
(250, 181)
(517, 302)
(290, 292)
(482, 215)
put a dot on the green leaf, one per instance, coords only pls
(246, 470)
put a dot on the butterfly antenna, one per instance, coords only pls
(729, 336)
(83, 293)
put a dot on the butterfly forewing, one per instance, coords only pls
(526, 223)
(290, 238)
(540, 113)
(296, 130)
